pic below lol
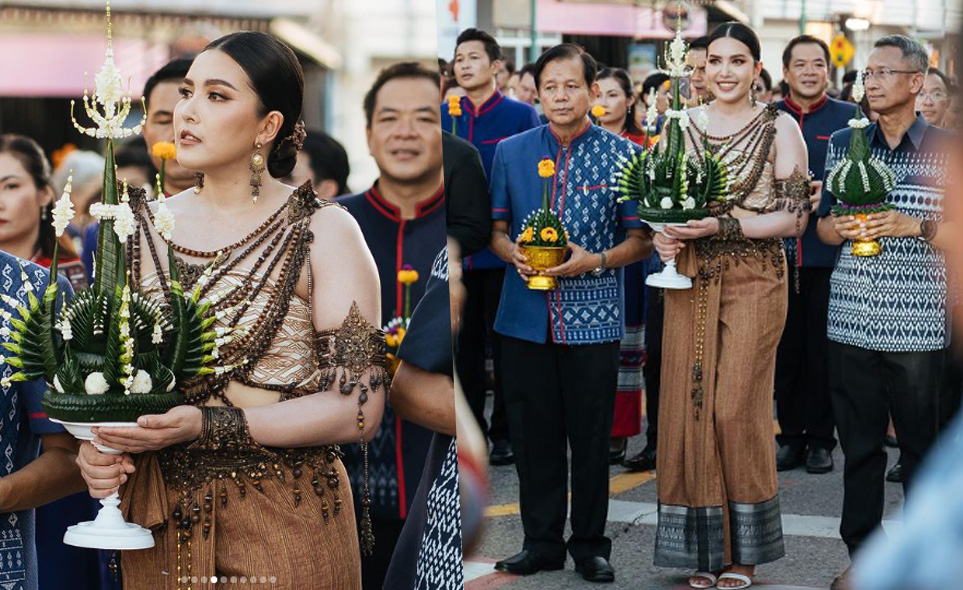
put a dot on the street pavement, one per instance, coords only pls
(811, 506)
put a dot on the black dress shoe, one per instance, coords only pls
(644, 461)
(595, 569)
(789, 457)
(819, 460)
(501, 453)
(526, 562)
(616, 457)
(895, 475)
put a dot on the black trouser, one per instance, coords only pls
(652, 371)
(867, 387)
(952, 389)
(559, 396)
(375, 566)
(484, 290)
(802, 375)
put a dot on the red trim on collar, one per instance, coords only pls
(583, 131)
(392, 212)
(792, 106)
(486, 106)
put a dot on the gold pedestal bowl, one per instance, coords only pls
(865, 247)
(542, 258)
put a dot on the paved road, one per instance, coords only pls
(811, 506)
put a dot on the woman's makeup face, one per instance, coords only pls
(730, 70)
(217, 119)
(613, 98)
(20, 201)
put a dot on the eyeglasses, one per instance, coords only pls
(883, 74)
(934, 96)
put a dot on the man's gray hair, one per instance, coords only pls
(914, 54)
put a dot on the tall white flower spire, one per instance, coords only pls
(108, 108)
(63, 211)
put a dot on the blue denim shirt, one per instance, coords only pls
(585, 309)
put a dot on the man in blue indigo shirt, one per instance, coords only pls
(888, 319)
(802, 379)
(26, 479)
(560, 349)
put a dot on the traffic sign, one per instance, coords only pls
(841, 50)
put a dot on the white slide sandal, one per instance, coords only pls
(708, 576)
(746, 580)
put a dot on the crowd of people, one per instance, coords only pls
(851, 349)
(333, 484)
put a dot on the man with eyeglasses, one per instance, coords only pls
(802, 379)
(934, 100)
(887, 314)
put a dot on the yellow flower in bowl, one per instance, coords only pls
(164, 150)
(548, 234)
(546, 168)
(528, 235)
(598, 111)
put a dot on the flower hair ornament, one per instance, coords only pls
(297, 136)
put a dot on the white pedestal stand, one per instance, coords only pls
(669, 278)
(108, 530)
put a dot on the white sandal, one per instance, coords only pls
(746, 580)
(711, 577)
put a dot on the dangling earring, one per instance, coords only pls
(752, 95)
(198, 182)
(257, 167)
(43, 214)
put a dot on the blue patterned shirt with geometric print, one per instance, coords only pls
(584, 309)
(896, 301)
(22, 423)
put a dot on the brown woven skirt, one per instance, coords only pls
(717, 485)
(243, 527)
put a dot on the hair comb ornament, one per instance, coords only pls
(297, 136)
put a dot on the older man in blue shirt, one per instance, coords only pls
(888, 318)
(560, 348)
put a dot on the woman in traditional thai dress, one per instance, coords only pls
(245, 480)
(718, 492)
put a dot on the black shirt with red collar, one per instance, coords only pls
(395, 242)
(825, 117)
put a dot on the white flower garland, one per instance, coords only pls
(682, 115)
(63, 212)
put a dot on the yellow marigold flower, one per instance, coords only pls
(546, 168)
(598, 111)
(164, 150)
(548, 234)
(528, 235)
(390, 340)
(407, 275)
(454, 105)
(401, 335)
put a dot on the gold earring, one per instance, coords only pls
(752, 95)
(257, 167)
(198, 182)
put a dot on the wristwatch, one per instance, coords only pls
(601, 267)
(927, 230)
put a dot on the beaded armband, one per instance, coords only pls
(224, 428)
(730, 229)
(792, 193)
(344, 357)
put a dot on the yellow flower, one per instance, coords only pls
(454, 105)
(546, 168)
(528, 235)
(548, 234)
(598, 111)
(401, 335)
(391, 340)
(407, 275)
(164, 150)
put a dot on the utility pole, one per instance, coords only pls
(533, 39)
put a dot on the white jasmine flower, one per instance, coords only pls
(57, 384)
(95, 384)
(652, 113)
(142, 382)
(164, 221)
(63, 211)
(689, 203)
(157, 336)
(65, 330)
(125, 330)
(666, 203)
(859, 89)
(859, 123)
(123, 222)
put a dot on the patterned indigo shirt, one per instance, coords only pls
(584, 309)
(22, 422)
(895, 302)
